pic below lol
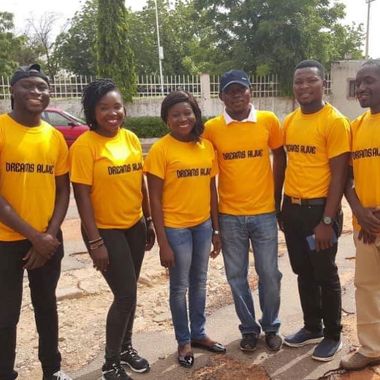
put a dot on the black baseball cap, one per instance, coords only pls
(234, 76)
(33, 70)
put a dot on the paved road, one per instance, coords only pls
(287, 364)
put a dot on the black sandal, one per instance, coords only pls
(215, 347)
(186, 360)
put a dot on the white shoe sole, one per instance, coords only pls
(247, 349)
(328, 359)
(134, 369)
(305, 343)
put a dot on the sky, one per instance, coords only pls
(22, 10)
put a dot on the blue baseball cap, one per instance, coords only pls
(234, 76)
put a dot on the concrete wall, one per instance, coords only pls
(211, 106)
(341, 74)
(151, 106)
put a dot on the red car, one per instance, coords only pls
(70, 126)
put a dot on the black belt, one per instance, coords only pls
(305, 202)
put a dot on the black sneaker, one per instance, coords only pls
(116, 372)
(249, 342)
(326, 350)
(59, 375)
(302, 338)
(273, 341)
(135, 362)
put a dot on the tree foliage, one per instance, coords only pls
(115, 57)
(9, 44)
(274, 35)
(177, 33)
(212, 36)
(76, 48)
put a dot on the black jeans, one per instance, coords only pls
(42, 283)
(126, 250)
(318, 280)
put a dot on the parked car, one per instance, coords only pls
(70, 126)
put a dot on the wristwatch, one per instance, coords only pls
(327, 220)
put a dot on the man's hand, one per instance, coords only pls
(369, 219)
(45, 244)
(324, 235)
(366, 236)
(34, 260)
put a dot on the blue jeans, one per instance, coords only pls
(191, 247)
(261, 231)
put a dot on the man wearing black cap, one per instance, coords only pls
(243, 139)
(34, 194)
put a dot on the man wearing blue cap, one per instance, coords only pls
(34, 195)
(249, 195)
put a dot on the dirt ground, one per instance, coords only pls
(82, 316)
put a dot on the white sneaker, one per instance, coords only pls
(60, 375)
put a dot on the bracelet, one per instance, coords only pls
(93, 248)
(148, 219)
(96, 245)
(216, 232)
(95, 240)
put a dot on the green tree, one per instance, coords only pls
(76, 48)
(9, 44)
(114, 55)
(178, 34)
(273, 35)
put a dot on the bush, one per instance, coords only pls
(147, 126)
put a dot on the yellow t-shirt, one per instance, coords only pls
(30, 159)
(113, 169)
(245, 174)
(311, 140)
(186, 169)
(366, 160)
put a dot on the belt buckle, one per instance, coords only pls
(296, 201)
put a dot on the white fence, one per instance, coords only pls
(150, 85)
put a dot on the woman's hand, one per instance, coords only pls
(150, 237)
(217, 245)
(100, 258)
(167, 256)
(45, 244)
(34, 260)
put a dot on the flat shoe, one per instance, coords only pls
(186, 360)
(215, 347)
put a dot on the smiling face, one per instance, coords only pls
(109, 114)
(237, 100)
(368, 87)
(181, 121)
(308, 87)
(30, 95)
